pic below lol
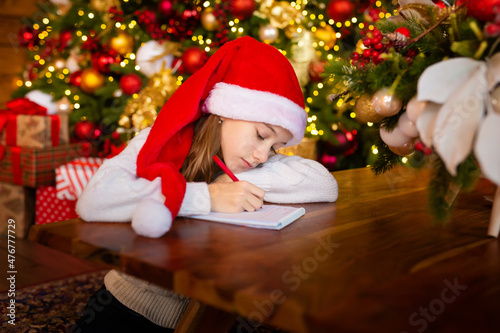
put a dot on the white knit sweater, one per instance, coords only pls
(113, 193)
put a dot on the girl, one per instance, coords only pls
(242, 106)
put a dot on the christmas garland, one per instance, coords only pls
(426, 79)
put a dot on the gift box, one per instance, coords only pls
(27, 124)
(72, 177)
(51, 209)
(36, 167)
(17, 203)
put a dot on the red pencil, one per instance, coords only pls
(224, 168)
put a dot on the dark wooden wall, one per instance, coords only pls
(12, 56)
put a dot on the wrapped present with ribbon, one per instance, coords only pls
(51, 209)
(27, 124)
(17, 209)
(36, 167)
(72, 177)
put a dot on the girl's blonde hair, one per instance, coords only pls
(199, 166)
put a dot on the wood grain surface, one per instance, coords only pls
(374, 261)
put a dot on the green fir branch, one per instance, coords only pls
(386, 159)
(442, 185)
(437, 190)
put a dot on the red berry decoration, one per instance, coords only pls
(483, 10)
(403, 31)
(130, 84)
(340, 10)
(193, 59)
(165, 7)
(84, 130)
(242, 9)
(375, 47)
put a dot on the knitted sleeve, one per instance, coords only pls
(113, 193)
(292, 179)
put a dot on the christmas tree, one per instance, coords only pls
(113, 63)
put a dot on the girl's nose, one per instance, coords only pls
(261, 154)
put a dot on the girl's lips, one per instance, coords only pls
(246, 164)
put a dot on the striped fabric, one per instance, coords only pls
(72, 177)
(36, 167)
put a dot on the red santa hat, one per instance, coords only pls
(245, 79)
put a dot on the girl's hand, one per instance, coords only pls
(235, 197)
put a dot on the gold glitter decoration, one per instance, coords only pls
(141, 112)
(307, 148)
(104, 5)
(280, 13)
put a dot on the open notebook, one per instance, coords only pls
(268, 217)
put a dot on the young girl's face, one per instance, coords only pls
(246, 144)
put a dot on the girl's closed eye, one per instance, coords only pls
(261, 137)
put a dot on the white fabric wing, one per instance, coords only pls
(439, 81)
(426, 122)
(493, 71)
(487, 150)
(459, 119)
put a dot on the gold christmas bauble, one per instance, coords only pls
(91, 80)
(327, 35)
(208, 20)
(122, 43)
(404, 150)
(365, 112)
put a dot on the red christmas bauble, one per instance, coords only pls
(28, 36)
(316, 68)
(193, 59)
(340, 10)
(84, 130)
(76, 78)
(130, 84)
(483, 10)
(242, 9)
(404, 31)
(103, 60)
(179, 67)
(165, 7)
(64, 38)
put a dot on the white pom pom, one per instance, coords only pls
(43, 99)
(151, 219)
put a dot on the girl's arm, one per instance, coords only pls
(114, 192)
(292, 179)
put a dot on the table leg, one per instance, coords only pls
(494, 227)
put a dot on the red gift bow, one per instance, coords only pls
(23, 105)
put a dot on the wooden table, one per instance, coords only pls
(374, 261)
